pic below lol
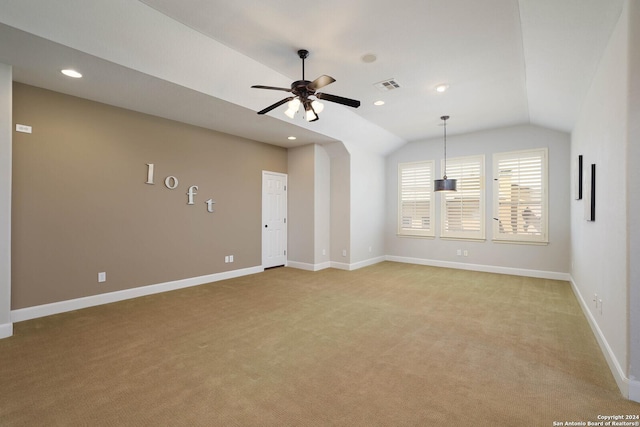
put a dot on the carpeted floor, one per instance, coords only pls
(387, 345)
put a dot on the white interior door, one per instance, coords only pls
(274, 219)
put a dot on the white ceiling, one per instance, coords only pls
(506, 61)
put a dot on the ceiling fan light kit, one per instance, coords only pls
(304, 93)
(310, 114)
(294, 106)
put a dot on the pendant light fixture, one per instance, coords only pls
(444, 184)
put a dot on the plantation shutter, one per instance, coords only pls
(463, 210)
(415, 196)
(520, 199)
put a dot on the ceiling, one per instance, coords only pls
(506, 62)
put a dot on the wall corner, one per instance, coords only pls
(6, 156)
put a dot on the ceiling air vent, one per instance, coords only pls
(387, 85)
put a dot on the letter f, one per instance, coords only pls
(190, 193)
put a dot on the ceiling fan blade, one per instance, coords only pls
(321, 81)
(271, 87)
(276, 105)
(338, 99)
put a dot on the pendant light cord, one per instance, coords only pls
(444, 118)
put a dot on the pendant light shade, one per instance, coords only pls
(444, 184)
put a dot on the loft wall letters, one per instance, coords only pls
(171, 182)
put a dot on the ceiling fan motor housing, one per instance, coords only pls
(300, 88)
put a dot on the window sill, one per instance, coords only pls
(466, 239)
(411, 236)
(520, 242)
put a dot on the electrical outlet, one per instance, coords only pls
(459, 252)
(466, 252)
(226, 259)
(23, 128)
(102, 277)
(344, 252)
(230, 258)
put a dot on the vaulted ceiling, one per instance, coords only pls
(505, 62)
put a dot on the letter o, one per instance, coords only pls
(171, 182)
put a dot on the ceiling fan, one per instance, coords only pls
(304, 93)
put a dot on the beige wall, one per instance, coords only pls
(340, 189)
(322, 206)
(309, 207)
(81, 205)
(300, 205)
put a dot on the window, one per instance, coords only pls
(415, 197)
(520, 196)
(463, 210)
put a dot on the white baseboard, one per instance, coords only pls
(367, 262)
(616, 369)
(6, 330)
(28, 313)
(357, 265)
(301, 265)
(307, 266)
(340, 265)
(541, 274)
(322, 266)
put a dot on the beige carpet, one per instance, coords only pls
(388, 345)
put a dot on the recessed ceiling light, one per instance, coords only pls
(369, 58)
(292, 138)
(71, 73)
(441, 88)
(379, 102)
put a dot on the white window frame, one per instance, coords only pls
(426, 187)
(470, 176)
(537, 207)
